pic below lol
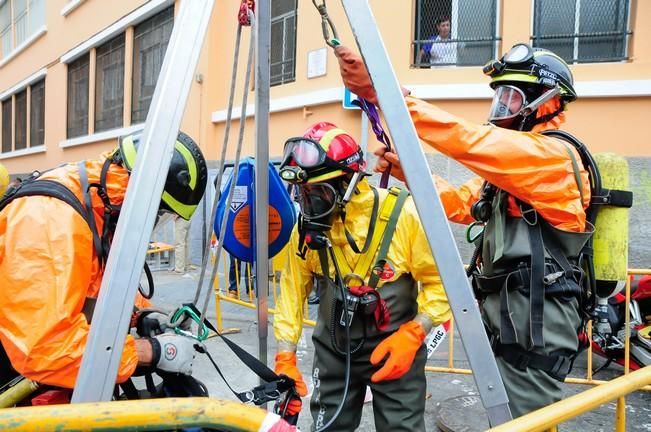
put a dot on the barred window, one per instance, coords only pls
(454, 32)
(22, 18)
(283, 41)
(20, 131)
(37, 114)
(6, 126)
(78, 97)
(582, 31)
(149, 44)
(109, 85)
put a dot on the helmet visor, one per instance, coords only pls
(507, 103)
(317, 200)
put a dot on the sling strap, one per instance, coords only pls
(387, 220)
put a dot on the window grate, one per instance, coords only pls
(78, 97)
(283, 41)
(150, 43)
(454, 33)
(109, 85)
(583, 31)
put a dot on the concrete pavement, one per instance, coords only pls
(172, 289)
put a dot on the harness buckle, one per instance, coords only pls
(552, 277)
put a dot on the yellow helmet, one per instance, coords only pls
(4, 179)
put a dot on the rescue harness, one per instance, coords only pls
(560, 263)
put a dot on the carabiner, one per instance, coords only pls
(327, 25)
(179, 317)
(471, 238)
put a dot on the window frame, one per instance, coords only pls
(31, 27)
(37, 128)
(280, 79)
(141, 100)
(70, 99)
(105, 119)
(16, 113)
(625, 33)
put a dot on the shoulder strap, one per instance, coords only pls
(364, 262)
(388, 236)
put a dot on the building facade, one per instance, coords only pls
(77, 74)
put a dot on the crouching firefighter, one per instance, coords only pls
(55, 232)
(366, 250)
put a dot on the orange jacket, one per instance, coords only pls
(48, 268)
(534, 168)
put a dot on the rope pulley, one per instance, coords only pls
(243, 16)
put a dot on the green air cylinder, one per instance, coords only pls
(611, 235)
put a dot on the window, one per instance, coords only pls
(20, 117)
(37, 114)
(109, 85)
(149, 44)
(582, 31)
(78, 97)
(283, 41)
(15, 110)
(19, 19)
(6, 126)
(454, 32)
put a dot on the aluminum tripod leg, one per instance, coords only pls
(444, 249)
(262, 82)
(112, 314)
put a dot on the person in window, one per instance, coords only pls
(440, 51)
(535, 191)
(52, 258)
(340, 208)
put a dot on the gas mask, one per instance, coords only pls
(320, 204)
(511, 109)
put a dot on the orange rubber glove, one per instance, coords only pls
(401, 347)
(354, 74)
(286, 364)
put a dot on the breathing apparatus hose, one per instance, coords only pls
(342, 289)
(590, 165)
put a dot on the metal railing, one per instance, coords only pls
(247, 299)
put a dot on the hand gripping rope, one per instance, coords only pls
(368, 107)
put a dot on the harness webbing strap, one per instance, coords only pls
(363, 264)
(85, 190)
(536, 286)
(387, 237)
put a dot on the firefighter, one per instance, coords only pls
(532, 195)
(367, 250)
(52, 257)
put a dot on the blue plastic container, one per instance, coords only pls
(239, 239)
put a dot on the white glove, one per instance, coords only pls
(173, 353)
